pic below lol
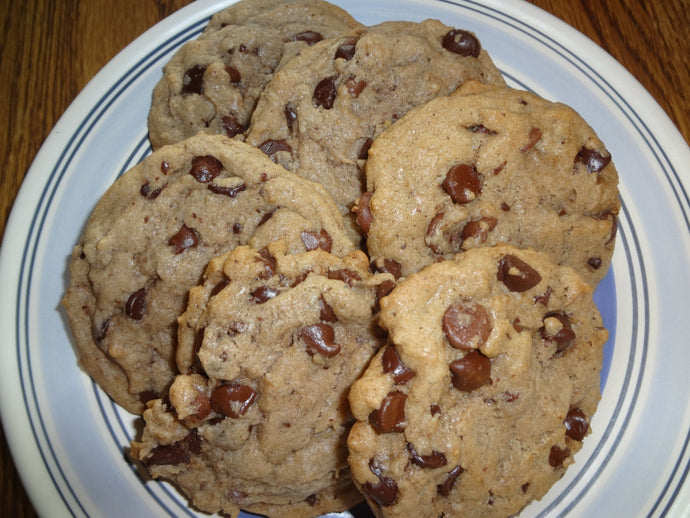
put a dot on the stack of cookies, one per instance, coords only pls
(356, 266)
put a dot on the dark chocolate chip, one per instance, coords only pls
(319, 339)
(349, 277)
(516, 274)
(471, 371)
(326, 311)
(231, 192)
(231, 126)
(576, 424)
(346, 51)
(135, 307)
(232, 399)
(313, 240)
(479, 229)
(446, 487)
(462, 183)
(434, 460)
(148, 192)
(263, 294)
(564, 336)
(466, 325)
(193, 80)
(205, 168)
(557, 456)
(593, 161)
(390, 416)
(271, 146)
(290, 116)
(309, 37)
(363, 210)
(461, 42)
(392, 364)
(185, 238)
(325, 92)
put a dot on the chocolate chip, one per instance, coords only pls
(231, 126)
(389, 266)
(218, 287)
(346, 51)
(312, 499)
(462, 183)
(576, 424)
(363, 210)
(135, 307)
(557, 328)
(148, 192)
(232, 399)
(263, 294)
(543, 299)
(355, 87)
(384, 492)
(432, 461)
(479, 229)
(309, 37)
(471, 371)
(101, 330)
(235, 76)
(319, 339)
(349, 277)
(231, 192)
(392, 364)
(390, 416)
(147, 395)
(326, 311)
(193, 80)
(176, 453)
(382, 290)
(271, 146)
(364, 150)
(516, 274)
(268, 262)
(446, 487)
(205, 168)
(247, 50)
(594, 262)
(325, 92)
(480, 128)
(533, 137)
(461, 42)
(593, 161)
(466, 325)
(313, 240)
(185, 238)
(290, 116)
(557, 456)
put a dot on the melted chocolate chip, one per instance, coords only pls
(263, 294)
(313, 240)
(478, 229)
(576, 424)
(593, 161)
(446, 487)
(235, 76)
(309, 37)
(325, 92)
(185, 238)
(319, 339)
(461, 42)
(148, 192)
(326, 311)
(290, 116)
(349, 277)
(533, 137)
(135, 307)
(268, 262)
(392, 364)
(364, 150)
(557, 456)
(462, 183)
(176, 453)
(384, 492)
(471, 371)
(516, 274)
(193, 80)
(205, 168)
(231, 126)
(231, 192)
(346, 51)
(218, 287)
(560, 332)
(434, 460)
(232, 399)
(466, 325)
(363, 210)
(390, 416)
(271, 146)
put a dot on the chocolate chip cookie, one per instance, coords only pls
(487, 165)
(152, 234)
(485, 390)
(269, 346)
(319, 114)
(212, 83)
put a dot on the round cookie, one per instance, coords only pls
(487, 165)
(321, 111)
(152, 234)
(269, 346)
(212, 83)
(485, 390)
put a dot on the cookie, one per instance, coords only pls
(269, 346)
(152, 234)
(485, 390)
(321, 111)
(487, 165)
(212, 83)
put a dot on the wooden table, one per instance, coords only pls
(51, 49)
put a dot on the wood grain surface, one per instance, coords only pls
(51, 49)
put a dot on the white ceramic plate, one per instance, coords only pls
(68, 438)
